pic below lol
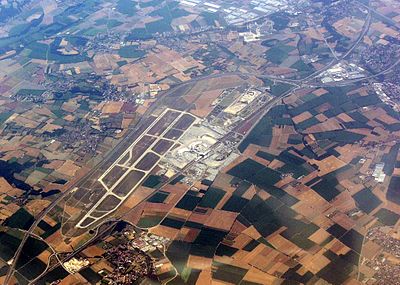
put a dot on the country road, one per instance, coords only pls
(297, 83)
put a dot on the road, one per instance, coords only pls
(113, 220)
(364, 31)
(348, 82)
(268, 105)
(121, 146)
(110, 155)
(131, 133)
(98, 234)
(381, 16)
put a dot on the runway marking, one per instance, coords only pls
(128, 151)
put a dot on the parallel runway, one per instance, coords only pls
(135, 164)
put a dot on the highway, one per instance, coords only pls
(110, 156)
(113, 220)
(132, 132)
(98, 234)
(381, 16)
(121, 146)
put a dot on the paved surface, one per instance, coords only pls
(305, 82)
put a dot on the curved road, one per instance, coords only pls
(295, 82)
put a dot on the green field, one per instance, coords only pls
(110, 23)
(151, 3)
(212, 197)
(131, 52)
(149, 221)
(278, 53)
(127, 7)
(280, 88)
(46, 52)
(33, 92)
(303, 68)
(366, 200)
(261, 134)
(168, 13)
